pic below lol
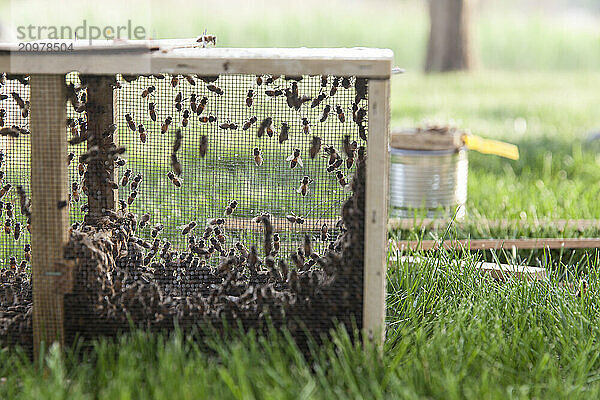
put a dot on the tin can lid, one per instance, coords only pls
(433, 137)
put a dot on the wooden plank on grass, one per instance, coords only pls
(497, 244)
(500, 272)
(558, 224)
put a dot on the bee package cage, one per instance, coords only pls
(161, 184)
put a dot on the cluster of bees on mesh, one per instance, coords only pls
(212, 240)
(11, 225)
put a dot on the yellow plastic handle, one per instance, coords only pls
(487, 146)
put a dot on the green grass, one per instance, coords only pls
(558, 175)
(451, 335)
(504, 37)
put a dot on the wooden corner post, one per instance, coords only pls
(49, 197)
(376, 209)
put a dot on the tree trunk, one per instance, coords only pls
(449, 47)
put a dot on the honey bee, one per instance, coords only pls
(258, 160)
(25, 110)
(228, 125)
(29, 224)
(156, 229)
(305, 126)
(324, 230)
(13, 263)
(178, 97)
(216, 221)
(193, 104)
(242, 249)
(270, 130)
(173, 179)
(174, 80)
(203, 146)
(273, 92)
(216, 244)
(249, 123)
(271, 79)
(207, 232)
(259, 80)
(231, 207)
(144, 220)
(125, 178)
(249, 98)
(9, 210)
(346, 82)
(334, 86)
(149, 90)
(152, 111)
(123, 204)
(120, 162)
(295, 159)
(18, 100)
(2, 115)
(341, 179)
(336, 164)
(350, 162)
(266, 123)
(190, 79)
(23, 265)
(130, 122)
(137, 179)
(307, 246)
(143, 135)
(7, 226)
(315, 146)
(201, 105)
(304, 189)
(294, 219)
(284, 132)
(85, 207)
(360, 87)
(325, 114)
(332, 153)
(185, 120)
(359, 114)
(210, 118)
(17, 232)
(27, 251)
(70, 158)
(276, 243)
(317, 100)
(215, 89)
(362, 132)
(219, 235)
(362, 152)
(340, 113)
(5, 189)
(205, 40)
(81, 169)
(165, 125)
(132, 197)
(349, 148)
(188, 228)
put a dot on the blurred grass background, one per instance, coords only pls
(535, 83)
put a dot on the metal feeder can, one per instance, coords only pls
(428, 174)
(429, 170)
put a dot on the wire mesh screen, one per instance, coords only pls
(240, 198)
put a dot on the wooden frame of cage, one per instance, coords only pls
(51, 275)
